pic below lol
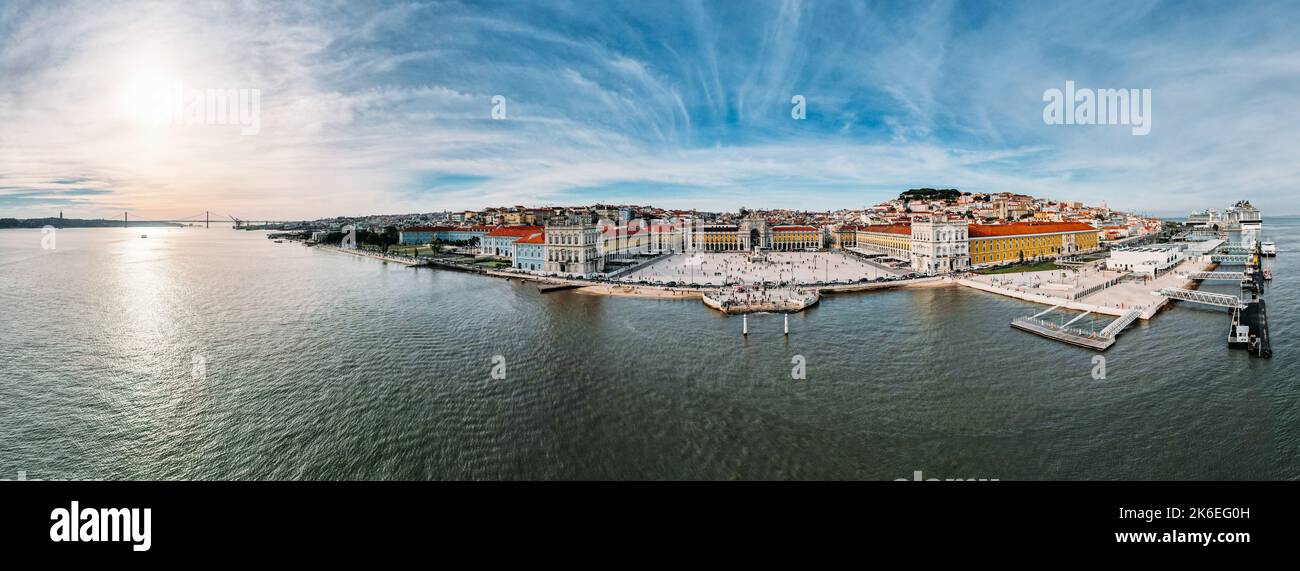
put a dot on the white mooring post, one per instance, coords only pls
(744, 325)
(787, 324)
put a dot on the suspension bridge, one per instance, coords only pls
(207, 218)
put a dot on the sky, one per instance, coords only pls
(388, 107)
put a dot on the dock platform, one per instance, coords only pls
(1071, 336)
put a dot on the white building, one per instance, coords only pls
(940, 246)
(1145, 260)
(573, 247)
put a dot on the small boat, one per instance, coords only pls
(1268, 248)
(144, 235)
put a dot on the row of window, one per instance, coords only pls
(569, 255)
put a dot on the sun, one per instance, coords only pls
(146, 97)
(146, 83)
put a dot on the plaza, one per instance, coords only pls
(726, 268)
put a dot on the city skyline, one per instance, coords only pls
(390, 108)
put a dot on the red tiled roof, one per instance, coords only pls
(793, 229)
(514, 231)
(428, 229)
(1023, 228)
(900, 229)
(538, 238)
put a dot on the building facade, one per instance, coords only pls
(786, 238)
(893, 240)
(426, 234)
(940, 246)
(530, 252)
(1145, 260)
(415, 235)
(573, 247)
(500, 242)
(1019, 241)
(846, 236)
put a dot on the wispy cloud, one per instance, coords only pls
(387, 108)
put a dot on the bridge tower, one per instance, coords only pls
(207, 219)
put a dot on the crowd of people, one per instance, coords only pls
(776, 268)
(759, 296)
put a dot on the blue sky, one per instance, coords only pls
(386, 107)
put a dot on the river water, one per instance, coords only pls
(216, 354)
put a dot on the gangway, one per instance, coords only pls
(1120, 323)
(1222, 276)
(1047, 311)
(1230, 259)
(1202, 297)
(1076, 318)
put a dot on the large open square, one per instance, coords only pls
(718, 268)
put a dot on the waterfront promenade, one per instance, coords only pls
(766, 283)
(371, 254)
(1089, 289)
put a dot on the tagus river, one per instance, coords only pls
(215, 354)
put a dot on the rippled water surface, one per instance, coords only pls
(219, 354)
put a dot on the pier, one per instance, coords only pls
(1248, 326)
(775, 301)
(1249, 330)
(1095, 340)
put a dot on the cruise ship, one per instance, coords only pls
(1242, 217)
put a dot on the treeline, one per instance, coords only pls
(930, 194)
(382, 239)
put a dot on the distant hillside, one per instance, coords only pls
(930, 194)
(77, 223)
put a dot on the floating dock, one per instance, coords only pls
(1095, 340)
(1249, 330)
(1071, 336)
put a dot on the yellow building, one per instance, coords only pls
(846, 236)
(894, 240)
(719, 238)
(1001, 243)
(795, 238)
